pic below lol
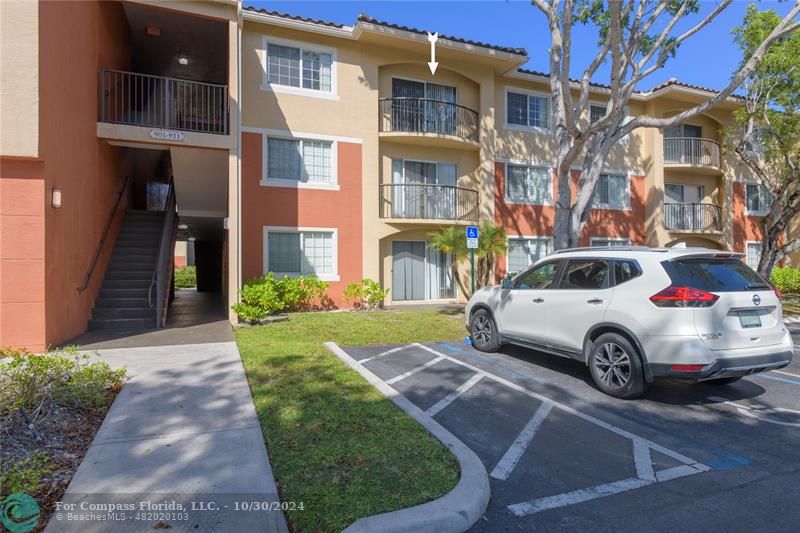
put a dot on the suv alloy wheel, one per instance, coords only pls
(616, 367)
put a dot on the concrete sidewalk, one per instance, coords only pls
(183, 429)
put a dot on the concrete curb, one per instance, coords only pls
(457, 510)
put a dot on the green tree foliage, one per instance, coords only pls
(766, 136)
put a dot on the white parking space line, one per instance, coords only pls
(759, 412)
(577, 496)
(447, 400)
(643, 460)
(589, 418)
(642, 449)
(518, 447)
(414, 371)
(387, 352)
(786, 373)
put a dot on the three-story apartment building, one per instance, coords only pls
(295, 146)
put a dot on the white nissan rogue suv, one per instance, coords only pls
(636, 314)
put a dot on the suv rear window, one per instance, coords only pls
(714, 275)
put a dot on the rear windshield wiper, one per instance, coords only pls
(757, 286)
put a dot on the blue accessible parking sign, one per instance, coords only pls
(472, 237)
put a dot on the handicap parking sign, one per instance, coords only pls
(472, 236)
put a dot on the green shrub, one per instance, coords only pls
(786, 279)
(365, 295)
(185, 277)
(267, 295)
(62, 377)
(44, 402)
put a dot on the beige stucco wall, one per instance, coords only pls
(19, 78)
(364, 74)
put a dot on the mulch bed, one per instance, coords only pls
(64, 436)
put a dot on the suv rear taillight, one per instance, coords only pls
(776, 291)
(674, 296)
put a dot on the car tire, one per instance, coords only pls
(616, 367)
(483, 331)
(725, 381)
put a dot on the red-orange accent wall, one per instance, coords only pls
(76, 39)
(539, 220)
(22, 256)
(745, 227)
(290, 207)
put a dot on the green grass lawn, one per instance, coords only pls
(335, 443)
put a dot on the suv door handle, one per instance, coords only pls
(594, 301)
(538, 300)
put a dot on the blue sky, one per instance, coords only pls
(707, 59)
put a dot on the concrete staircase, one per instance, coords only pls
(122, 301)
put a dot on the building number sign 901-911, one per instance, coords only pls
(166, 135)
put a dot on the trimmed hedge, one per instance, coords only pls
(185, 277)
(786, 279)
(267, 295)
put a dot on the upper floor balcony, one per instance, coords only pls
(692, 217)
(429, 121)
(420, 202)
(692, 152)
(160, 102)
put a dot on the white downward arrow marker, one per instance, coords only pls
(432, 37)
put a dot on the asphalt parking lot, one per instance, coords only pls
(561, 455)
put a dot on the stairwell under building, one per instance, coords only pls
(126, 299)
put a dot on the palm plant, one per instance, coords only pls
(491, 243)
(452, 240)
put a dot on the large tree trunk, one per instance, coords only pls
(571, 220)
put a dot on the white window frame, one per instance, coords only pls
(596, 103)
(550, 243)
(746, 246)
(266, 181)
(333, 276)
(608, 207)
(747, 211)
(626, 240)
(266, 85)
(528, 93)
(625, 118)
(529, 164)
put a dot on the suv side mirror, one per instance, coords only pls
(506, 283)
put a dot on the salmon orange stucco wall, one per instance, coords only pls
(76, 39)
(22, 205)
(292, 207)
(539, 220)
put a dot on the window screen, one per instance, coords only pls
(295, 67)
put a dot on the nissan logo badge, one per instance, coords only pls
(756, 299)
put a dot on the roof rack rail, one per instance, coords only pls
(600, 248)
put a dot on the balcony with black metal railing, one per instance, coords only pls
(419, 202)
(429, 121)
(694, 152)
(135, 99)
(691, 218)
